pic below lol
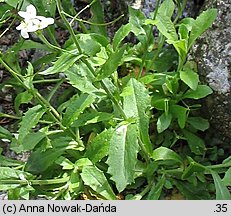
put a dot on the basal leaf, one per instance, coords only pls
(163, 153)
(201, 92)
(39, 162)
(190, 78)
(4, 133)
(123, 155)
(98, 148)
(94, 178)
(227, 178)
(222, 192)
(136, 102)
(29, 120)
(10, 173)
(198, 123)
(201, 24)
(166, 27)
(180, 113)
(163, 122)
(196, 144)
(7, 162)
(76, 107)
(156, 189)
(167, 8)
(29, 142)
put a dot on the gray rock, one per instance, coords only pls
(213, 56)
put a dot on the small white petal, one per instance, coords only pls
(23, 14)
(30, 9)
(20, 27)
(24, 34)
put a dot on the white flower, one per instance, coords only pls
(32, 22)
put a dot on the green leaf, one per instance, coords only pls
(136, 102)
(4, 133)
(193, 192)
(198, 123)
(94, 178)
(75, 183)
(29, 143)
(22, 98)
(201, 24)
(190, 78)
(7, 162)
(98, 148)
(64, 62)
(163, 122)
(193, 167)
(167, 8)
(222, 193)
(227, 178)
(65, 163)
(98, 17)
(196, 144)
(201, 92)
(111, 65)
(92, 118)
(76, 107)
(29, 120)
(156, 189)
(29, 44)
(180, 113)
(11, 173)
(166, 27)
(123, 156)
(136, 18)
(80, 77)
(39, 162)
(163, 153)
(123, 32)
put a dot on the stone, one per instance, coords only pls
(212, 53)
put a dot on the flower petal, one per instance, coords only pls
(23, 14)
(30, 9)
(21, 26)
(24, 34)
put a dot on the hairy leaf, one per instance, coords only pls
(201, 24)
(190, 78)
(123, 156)
(222, 193)
(76, 107)
(29, 120)
(201, 92)
(94, 178)
(136, 102)
(98, 148)
(163, 153)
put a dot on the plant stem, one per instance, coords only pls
(42, 101)
(148, 41)
(36, 182)
(61, 12)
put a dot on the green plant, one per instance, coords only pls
(120, 120)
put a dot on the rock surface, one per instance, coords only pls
(213, 56)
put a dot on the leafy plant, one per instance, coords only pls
(119, 119)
